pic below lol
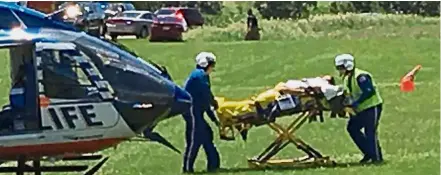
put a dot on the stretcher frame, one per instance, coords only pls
(285, 137)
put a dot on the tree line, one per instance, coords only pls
(303, 9)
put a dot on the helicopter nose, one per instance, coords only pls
(181, 102)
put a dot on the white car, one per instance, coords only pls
(131, 22)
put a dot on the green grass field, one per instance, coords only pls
(409, 129)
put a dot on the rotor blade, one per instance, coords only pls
(156, 137)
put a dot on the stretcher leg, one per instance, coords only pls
(285, 137)
(272, 147)
(274, 151)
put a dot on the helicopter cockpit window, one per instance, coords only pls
(62, 75)
(117, 56)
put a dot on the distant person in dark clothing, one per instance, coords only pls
(252, 27)
(252, 20)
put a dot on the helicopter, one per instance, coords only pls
(82, 94)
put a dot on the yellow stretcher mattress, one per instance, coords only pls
(229, 109)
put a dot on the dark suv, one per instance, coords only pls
(191, 15)
(87, 16)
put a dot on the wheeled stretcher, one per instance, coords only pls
(302, 102)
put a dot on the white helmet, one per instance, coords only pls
(345, 60)
(205, 59)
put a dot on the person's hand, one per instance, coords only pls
(354, 104)
(348, 101)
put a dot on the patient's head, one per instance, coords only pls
(330, 79)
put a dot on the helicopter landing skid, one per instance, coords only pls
(37, 169)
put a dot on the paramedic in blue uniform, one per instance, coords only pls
(198, 132)
(367, 103)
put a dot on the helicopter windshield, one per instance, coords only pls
(118, 56)
(62, 75)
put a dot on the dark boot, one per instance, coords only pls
(365, 159)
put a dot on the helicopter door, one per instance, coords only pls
(23, 81)
(69, 98)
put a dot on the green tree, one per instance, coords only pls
(285, 9)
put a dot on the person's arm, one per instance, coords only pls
(212, 116)
(367, 88)
(248, 22)
(213, 101)
(208, 97)
(205, 91)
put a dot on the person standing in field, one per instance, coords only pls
(367, 103)
(198, 132)
(252, 27)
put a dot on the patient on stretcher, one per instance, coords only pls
(291, 97)
(295, 88)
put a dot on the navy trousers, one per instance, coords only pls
(367, 142)
(198, 133)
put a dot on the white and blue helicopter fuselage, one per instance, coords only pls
(83, 94)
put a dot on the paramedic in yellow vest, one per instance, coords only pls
(367, 103)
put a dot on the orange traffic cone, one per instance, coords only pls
(407, 82)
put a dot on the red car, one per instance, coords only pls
(192, 16)
(168, 27)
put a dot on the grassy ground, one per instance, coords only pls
(320, 26)
(409, 129)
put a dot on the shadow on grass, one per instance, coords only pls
(239, 170)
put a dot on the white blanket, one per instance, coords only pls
(329, 91)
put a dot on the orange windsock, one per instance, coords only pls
(407, 83)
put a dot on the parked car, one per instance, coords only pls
(87, 16)
(191, 15)
(130, 23)
(166, 28)
(112, 9)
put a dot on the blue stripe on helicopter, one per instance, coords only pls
(29, 17)
(22, 36)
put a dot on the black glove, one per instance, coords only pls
(215, 104)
